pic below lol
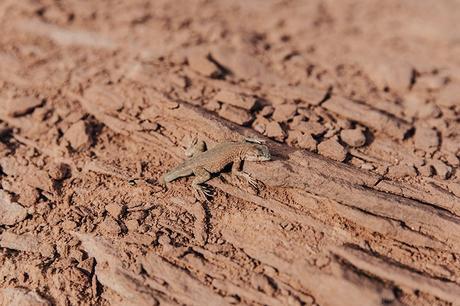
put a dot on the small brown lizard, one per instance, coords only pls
(204, 163)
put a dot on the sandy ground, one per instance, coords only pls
(358, 101)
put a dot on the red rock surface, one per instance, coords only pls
(358, 102)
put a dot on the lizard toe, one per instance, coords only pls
(254, 184)
(208, 190)
(203, 192)
(199, 195)
(250, 180)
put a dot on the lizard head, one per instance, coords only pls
(257, 152)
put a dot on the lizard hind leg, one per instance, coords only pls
(202, 192)
(195, 147)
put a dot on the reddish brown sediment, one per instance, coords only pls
(358, 103)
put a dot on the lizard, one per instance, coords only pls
(203, 163)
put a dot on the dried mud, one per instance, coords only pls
(359, 103)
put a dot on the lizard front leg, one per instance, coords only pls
(202, 192)
(236, 170)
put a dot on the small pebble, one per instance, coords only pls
(69, 225)
(367, 166)
(416, 106)
(426, 139)
(307, 142)
(198, 62)
(311, 127)
(110, 227)
(442, 170)
(343, 123)
(333, 149)
(275, 131)
(426, 170)
(10, 212)
(452, 159)
(77, 136)
(296, 121)
(17, 107)
(354, 138)
(59, 171)
(213, 106)
(235, 99)
(260, 124)
(235, 114)
(132, 224)
(400, 171)
(284, 112)
(114, 209)
(267, 111)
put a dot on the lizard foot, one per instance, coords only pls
(196, 146)
(255, 184)
(204, 192)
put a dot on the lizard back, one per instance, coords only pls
(214, 159)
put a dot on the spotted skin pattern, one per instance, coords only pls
(202, 164)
